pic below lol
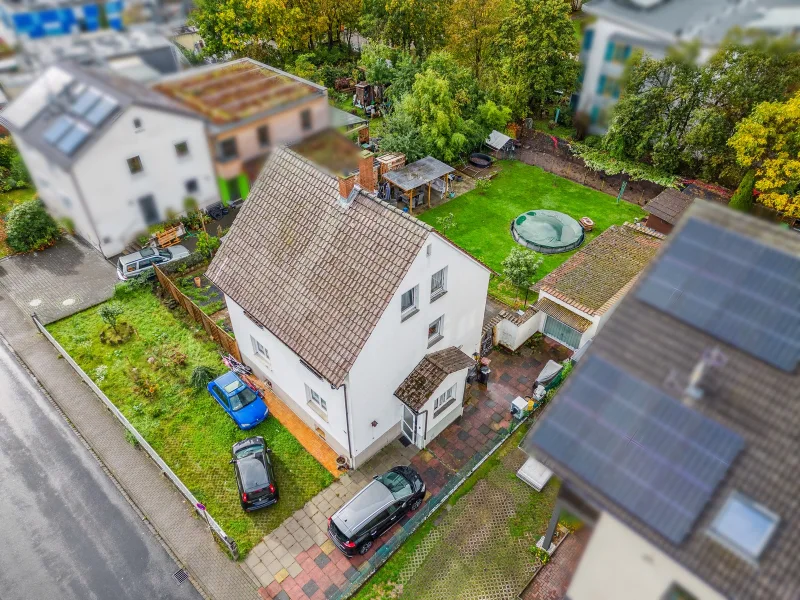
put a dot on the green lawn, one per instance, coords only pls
(186, 426)
(9, 200)
(483, 220)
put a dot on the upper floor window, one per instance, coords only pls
(137, 123)
(135, 165)
(227, 149)
(435, 331)
(263, 135)
(608, 86)
(305, 120)
(409, 302)
(191, 186)
(438, 283)
(618, 53)
(260, 351)
(182, 149)
(316, 400)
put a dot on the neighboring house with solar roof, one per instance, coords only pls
(250, 108)
(108, 153)
(361, 318)
(676, 437)
(577, 298)
(620, 27)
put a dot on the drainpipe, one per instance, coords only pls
(85, 206)
(551, 527)
(347, 418)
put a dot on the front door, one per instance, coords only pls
(147, 204)
(409, 424)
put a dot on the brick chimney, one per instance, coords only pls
(346, 185)
(366, 174)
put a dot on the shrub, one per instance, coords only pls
(134, 284)
(110, 313)
(30, 227)
(201, 376)
(207, 245)
(742, 198)
(482, 185)
(19, 172)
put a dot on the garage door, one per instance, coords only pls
(565, 334)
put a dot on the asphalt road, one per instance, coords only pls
(66, 532)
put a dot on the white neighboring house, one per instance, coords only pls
(363, 319)
(109, 154)
(577, 298)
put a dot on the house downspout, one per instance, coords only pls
(347, 418)
(85, 207)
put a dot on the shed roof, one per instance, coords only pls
(497, 140)
(418, 173)
(669, 205)
(342, 118)
(429, 374)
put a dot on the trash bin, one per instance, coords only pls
(483, 375)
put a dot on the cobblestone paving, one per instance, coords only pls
(554, 579)
(297, 569)
(58, 282)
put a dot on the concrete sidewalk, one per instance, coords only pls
(165, 508)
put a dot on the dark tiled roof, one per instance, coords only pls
(563, 314)
(669, 205)
(602, 271)
(429, 374)
(746, 395)
(316, 274)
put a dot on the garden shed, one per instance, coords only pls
(413, 183)
(500, 143)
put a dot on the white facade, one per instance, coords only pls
(363, 415)
(619, 564)
(104, 199)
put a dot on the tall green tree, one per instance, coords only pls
(406, 24)
(537, 59)
(472, 29)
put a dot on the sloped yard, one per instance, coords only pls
(148, 378)
(483, 219)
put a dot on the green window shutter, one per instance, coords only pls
(224, 192)
(244, 186)
(610, 51)
(601, 85)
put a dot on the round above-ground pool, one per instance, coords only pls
(547, 231)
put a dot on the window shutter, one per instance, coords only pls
(610, 51)
(587, 39)
(601, 84)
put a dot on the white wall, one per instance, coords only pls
(436, 424)
(112, 192)
(289, 378)
(57, 190)
(395, 347)
(513, 336)
(595, 319)
(618, 564)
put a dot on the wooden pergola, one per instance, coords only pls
(420, 174)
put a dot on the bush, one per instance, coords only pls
(207, 245)
(19, 172)
(30, 227)
(132, 285)
(201, 376)
(742, 198)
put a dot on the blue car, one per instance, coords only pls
(245, 407)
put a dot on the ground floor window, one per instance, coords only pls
(442, 400)
(315, 399)
(565, 334)
(261, 351)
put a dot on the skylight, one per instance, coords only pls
(744, 526)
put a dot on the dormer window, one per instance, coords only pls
(744, 526)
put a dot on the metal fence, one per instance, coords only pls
(215, 528)
(216, 332)
(385, 552)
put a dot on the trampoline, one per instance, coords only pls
(547, 231)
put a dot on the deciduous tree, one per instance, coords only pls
(520, 267)
(472, 29)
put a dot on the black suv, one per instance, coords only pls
(375, 509)
(254, 476)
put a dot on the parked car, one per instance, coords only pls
(254, 475)
(142, 261)
(245, 407)
(377, 507)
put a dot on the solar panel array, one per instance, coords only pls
(90, 109)
(732, 287)
(647, 452)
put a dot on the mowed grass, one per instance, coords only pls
(185, 426)
(483, 220)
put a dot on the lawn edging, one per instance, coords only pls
(385, 552)
(229, 542)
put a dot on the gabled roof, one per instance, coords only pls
(51, 96)
(669, 205)
(429, 374)
(742, 392)
(602, 271)
(317, 274)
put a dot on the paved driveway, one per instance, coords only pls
(58, 282)
(67, 531)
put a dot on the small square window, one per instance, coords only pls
(260, 351)
(227, 149)
(305, 120)
(137, 123)
(408, 301)
(438, 283)
(744, 526)
(435, 331)
(316, 400)
(444, 398)
(135, 165)
(182, 149)
(191, 186)
(263, 136)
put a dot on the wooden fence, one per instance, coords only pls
(218, 334)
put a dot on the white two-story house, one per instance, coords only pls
(362, 319)
(110, 154)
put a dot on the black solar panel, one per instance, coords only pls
(647, 452)
(733, 288)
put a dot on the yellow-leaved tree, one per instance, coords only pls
(769, 141)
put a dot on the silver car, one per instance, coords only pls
(143, 261)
